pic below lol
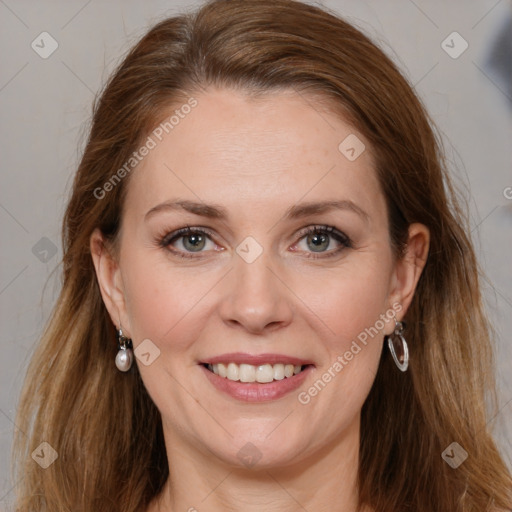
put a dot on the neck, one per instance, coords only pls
(198, 481)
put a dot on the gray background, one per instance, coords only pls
(45, 105)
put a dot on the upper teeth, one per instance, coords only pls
(249, 373)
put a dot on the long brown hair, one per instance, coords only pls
(103, 425)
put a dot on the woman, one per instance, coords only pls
(270, 300)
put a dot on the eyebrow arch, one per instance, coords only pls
(211, 211)
(306, 209)
(301, 210)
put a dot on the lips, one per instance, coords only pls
(256, 378)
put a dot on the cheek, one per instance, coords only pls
(160, 298)
(351, 300)
(353, 305)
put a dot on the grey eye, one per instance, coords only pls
(194, 242)
(319, 241)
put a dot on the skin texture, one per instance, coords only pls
(256, 157)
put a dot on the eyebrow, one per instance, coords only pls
(214, 211)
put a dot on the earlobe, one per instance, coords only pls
(109, 278)
(410, 266)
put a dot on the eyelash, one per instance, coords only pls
(165, 240)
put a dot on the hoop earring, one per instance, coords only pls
(124, 357)
(402, 361)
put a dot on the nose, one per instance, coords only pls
(255, 298)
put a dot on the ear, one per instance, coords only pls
(409, 266)
(110, 280)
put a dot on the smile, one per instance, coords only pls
(263, 373)
(256, 378)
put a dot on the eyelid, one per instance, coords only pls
(340, 237)
(178, 233)
(324, 228)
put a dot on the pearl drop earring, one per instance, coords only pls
(124, 357)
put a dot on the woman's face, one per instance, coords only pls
(253, 286)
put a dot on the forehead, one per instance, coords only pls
(246, 152)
